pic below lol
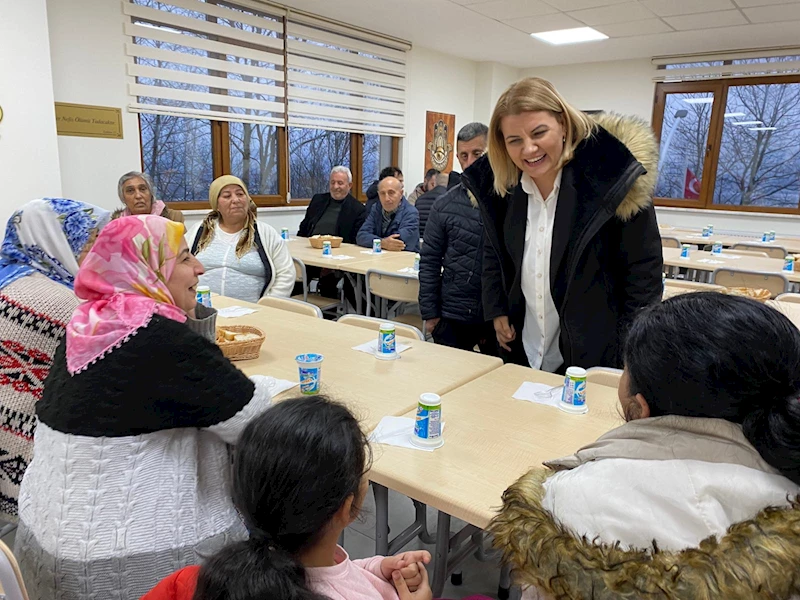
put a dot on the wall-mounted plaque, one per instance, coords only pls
(88, 121)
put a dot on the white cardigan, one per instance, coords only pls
(280, 260)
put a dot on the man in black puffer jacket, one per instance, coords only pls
(451, 260)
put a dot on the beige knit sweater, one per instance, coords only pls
(33, 314)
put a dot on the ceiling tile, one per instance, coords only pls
(544, 23)
(634, 28)
(751, 3)
(618, 13)
(672, 8)
(724, 18)
(467, 2)
(567, 5)
(512, 9)
(773, 14)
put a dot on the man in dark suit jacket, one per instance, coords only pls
(336, 212)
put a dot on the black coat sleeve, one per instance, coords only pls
(430, 266)
(358, 221)
(641, 263)
(310, 218)
(495, 303)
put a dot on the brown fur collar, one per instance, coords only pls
(638, 137)
(757, 559)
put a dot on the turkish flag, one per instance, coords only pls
(691, 187)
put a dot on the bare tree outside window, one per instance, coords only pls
(312, 155)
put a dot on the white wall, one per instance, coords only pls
(493, 79)
(437, 83)
(29, 162)
(87, 49)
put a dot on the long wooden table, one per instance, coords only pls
(706, 261)
(360, 262)
(373, 388)
(491, 439)
(695, 236)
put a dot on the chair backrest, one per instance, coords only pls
(10, 575)
(793, 298)
(374, 324)
(774, 282)
(300, 275)
(670, 242)
(771, 251)
(740, 252)
(392, 286)
(604, 376)
(292, 305)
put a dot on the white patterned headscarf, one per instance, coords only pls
(47, 236)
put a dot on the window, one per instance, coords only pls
(254, 156)
(312, 155)
(731, 144)
(376, 154)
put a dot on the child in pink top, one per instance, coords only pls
(299, 480)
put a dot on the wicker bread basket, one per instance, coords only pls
(316, 241)
(234, 350)
(759, 294)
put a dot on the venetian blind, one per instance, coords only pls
(723, 65)
(209, 59)
(344, 79)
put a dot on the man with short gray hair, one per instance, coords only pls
(452, 306)
(336, 212)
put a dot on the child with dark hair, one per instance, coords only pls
(299, 480)
(696, 496)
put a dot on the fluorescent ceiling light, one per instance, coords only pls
(747, 122)
(699, 100)
(729, 115)
(762, 128)
(570, 36)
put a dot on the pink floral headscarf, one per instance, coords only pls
(124, 282)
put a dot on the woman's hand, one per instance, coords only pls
(504, 331)
(408, 565)
(423, 592)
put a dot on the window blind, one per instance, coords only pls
(345, 79)
(723, 65)
(209, 59)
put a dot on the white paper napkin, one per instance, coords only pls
(711, 261)
(278, 386)
(234, 311)
(410, 270)
(396, 431)
(376, 253)
(371, 347)
(731, 256)
(339, 257)
(539, 393)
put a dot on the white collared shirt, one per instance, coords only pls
(541, 330)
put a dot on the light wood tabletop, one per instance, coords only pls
(695, 236)
(360, 262)
(790, 309)
(706, 261)
(373, 388)
(491, 440)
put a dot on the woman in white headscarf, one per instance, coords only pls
(45, 242)
(243, 258)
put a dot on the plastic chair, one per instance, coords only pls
(374, 324)
(10, 576)
(292, 305)
(607, 376)
(676, 287)
(771, 251)
(740, 252)
(776, 283)
(670, 242)
(789, 297)
(322, 302)
(397, 288)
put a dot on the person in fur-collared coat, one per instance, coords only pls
(696, 496)
(572, 245)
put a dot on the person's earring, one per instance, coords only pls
(564, 140)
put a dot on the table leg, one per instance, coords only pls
(381, 519)
(441, 554)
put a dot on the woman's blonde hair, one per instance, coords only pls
(529, 95)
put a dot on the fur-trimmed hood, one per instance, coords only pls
(637, 136)
(755, 558)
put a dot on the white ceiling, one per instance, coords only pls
(498, 30)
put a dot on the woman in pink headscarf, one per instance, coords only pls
(128, 480)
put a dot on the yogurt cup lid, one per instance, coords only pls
(309, 358)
